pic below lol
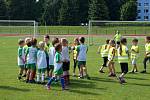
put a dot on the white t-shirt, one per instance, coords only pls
(65, 53)
(21, 56)
(41, 59)
(51, 55)
(82, 50)
(31, 55)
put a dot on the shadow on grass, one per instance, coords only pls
(136, 78)
(139, 84)
(113, 80)
(84, 92)
(13, 88)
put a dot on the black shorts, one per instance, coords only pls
(66, 66)
(124, 67)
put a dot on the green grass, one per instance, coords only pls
(100, 87)
(75, 30)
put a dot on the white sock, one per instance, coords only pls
(38, 77)
(43, 76)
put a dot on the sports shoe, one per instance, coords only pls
(24, 75)
(131, 71)
(120, 80)
(19, 78)
(144, 71)
(101, 71)
(80, 77)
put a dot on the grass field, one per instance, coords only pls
(100, 87)
(99, 30)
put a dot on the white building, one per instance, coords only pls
(143, 7)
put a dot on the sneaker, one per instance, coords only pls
(120, 80)
(110, 75)
(73, 74)
(101, 71)
(80, 77)
(19, 78)
(136, 71)
(27, 81)
(131, 71)
(24, 75)
(113, 75)
(144, 71)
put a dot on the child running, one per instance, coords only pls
(134, 55)
(41, 62)
(31, 57)
(21, 58)
(111, 57)
(76, 43)
(147, 53)
(66, 60)
(51, 56)
(81, 57)
(104, 54)
(58, 71)
(123, 59)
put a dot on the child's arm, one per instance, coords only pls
(114, 51)
(98, 51)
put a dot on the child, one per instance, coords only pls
(76, 43)
(27, 43)
(31, 57)
(123, 58)
(134, 55)
(51, 56)
(46, 48)
(66, 60)
(21, 58)
(104, 54)
(147, 53)
(58, 71)
(81, 57)
(111, 57)
(41, 62)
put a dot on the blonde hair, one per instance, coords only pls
(27, 39)
(41, 45)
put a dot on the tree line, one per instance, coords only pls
(67, 12)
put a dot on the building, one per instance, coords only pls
(143, 7)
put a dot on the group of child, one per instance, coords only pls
(51, 58)
(118, 50)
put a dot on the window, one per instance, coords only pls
(146, 17)
(146, 10)
(139, 11)
(146, 4)
(139, 4)
(139, 17)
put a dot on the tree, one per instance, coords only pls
(3, 9)
(22, 9)
(69, 12)
(98, 10)
(114, 9)
(83, 10)
(129, 11)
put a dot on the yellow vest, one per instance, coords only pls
(75, 53)
(110, 54)
(117, 37)
(123, 57)
(134, 55)
(104, 50)
(147, 48)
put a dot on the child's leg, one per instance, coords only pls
(62, 82)
(81, 70)
(50, 82)
(43, 76)
(113, 68)
(74, 66)
(38, 75)
(109, 66)
(124, 68)
(65, 77)
(144, 62)
(20, 72)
